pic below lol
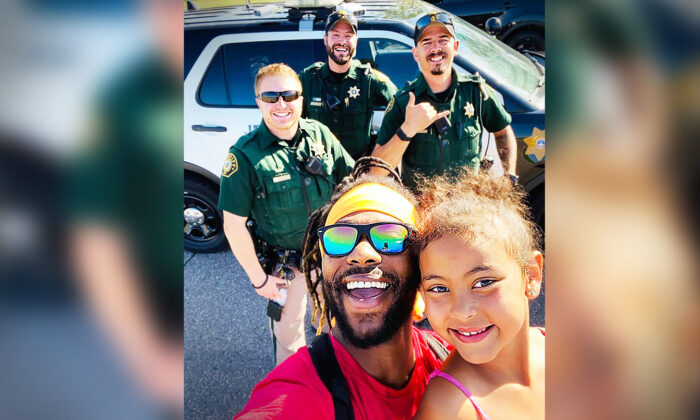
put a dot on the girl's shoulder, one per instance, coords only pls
(444, 400)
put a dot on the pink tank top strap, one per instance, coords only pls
(462, 388)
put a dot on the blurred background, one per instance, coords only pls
(91, 302)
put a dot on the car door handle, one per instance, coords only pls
(215, 128)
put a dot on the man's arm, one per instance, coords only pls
(507, 149)
(244, 251)
(418, 117)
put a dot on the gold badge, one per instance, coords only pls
(354, 92)
(317, 149)
(535, 151)
(469, 110)
(230, 166)
(388, 107)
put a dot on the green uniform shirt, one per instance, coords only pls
(361, 91)
(459, 146)
(263, 176)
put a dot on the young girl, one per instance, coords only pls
(480, 266)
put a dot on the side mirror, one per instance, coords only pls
(493, 26)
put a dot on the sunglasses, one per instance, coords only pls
(426, 20)
(271, 97)
(387, 238)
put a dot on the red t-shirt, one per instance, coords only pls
(293, 390)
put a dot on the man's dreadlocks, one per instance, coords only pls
(311, 253)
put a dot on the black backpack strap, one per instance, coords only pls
(326, 364)
(436, 346)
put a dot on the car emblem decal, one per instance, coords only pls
(535, 151)
(230, 166)
(354, 92)
(469, 110)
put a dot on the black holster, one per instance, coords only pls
(263, 250)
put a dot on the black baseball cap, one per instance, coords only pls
(441, 18)
(341, 16)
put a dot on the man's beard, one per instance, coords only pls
(339, 61)
(400, 312)
(437, 69)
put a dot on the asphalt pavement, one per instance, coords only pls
(227, 341)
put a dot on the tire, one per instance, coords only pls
(528, 39)
(204, 223)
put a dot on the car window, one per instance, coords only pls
(213, 90)
(392, 58)
(496, 59)
(230, 77)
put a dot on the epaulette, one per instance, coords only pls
(244, 139)
(316, 65)
(475, 78)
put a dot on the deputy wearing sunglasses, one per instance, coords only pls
(279, 174)
(435, 122)
(343, 93)
(374, 364)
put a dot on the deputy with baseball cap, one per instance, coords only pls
(342, 93)
(414, 132)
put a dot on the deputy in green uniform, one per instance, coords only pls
(279, 174)
(343, 92)
(409, 134)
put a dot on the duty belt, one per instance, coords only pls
(286, 258)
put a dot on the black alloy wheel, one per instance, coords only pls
(203, 222)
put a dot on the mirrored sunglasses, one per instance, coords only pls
(272, 97)
(340, 239)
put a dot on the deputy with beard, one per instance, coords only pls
(410, 132)
(343, 92)
(359, 247)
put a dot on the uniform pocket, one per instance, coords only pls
(469, 142)
(422, 155)
(283, 195)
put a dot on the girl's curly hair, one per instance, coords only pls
(476, 207)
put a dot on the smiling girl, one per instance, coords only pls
(480, 266)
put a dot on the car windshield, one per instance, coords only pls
(496, 59)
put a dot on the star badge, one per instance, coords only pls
(354, 92)
(535, 151)
(469, 110)
(317, 149)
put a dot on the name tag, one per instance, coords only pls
(422, 132)
(316, 99)
(316, 103)
(280, 178)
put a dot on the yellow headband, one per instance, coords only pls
(373, 197)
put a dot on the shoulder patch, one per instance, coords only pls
(391, 105)
(381, 76)
(230, 166)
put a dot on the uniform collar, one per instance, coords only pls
(352, 71)
(266, 138)
(423, 88)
